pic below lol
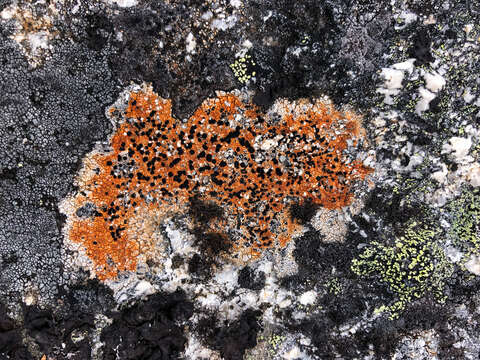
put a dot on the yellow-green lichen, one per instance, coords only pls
(333, 286)
(243, 68)
(466, 217)
(412, 267)
(305, 40)
(274, 342)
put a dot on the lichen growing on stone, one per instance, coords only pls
(412, 267)
(334, 286)
(252, 165)
(243, 68)
(466, 217)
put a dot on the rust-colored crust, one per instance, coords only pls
(251, 164)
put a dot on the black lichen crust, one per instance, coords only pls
(234, 338)
(303, 212)
(67, 331)
(55, 335)
(11, 345)
(328, 34)
(249, 279)
(149, 329)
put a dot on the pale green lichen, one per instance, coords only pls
(412, 267)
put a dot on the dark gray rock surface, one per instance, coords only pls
(395, 274)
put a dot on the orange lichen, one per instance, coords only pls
(252, 165)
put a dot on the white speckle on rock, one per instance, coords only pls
(473, 175)
(195, 350)
(285, 303)
(415, 160)
(144, 288)
(179, 242)
(207, 15)
(308, 298)
(267, 294)
(236, 3)
(119, 35)
(125, 3)
(210, 301)
(430, 20)
(228, 276)
(176, 277)
(379, 122)
(407, 18)
(468, 97)
(440, 197)
(7, 13)
(296, 51)
(406, 65)
(128, 286)
(293, 354)
(393, 78)
(453, 254)
(468, 28)
(268, 16)
(191, 43)
(305, 341)
(424, 103)
(441, 175)
(29, 299)
(246, 45)
(268, 144)
(38, 40)
(224, 23)
(250, 299)
(460, 148)
(266, 267)
(75, 8)
(473, 265)
(434, 82)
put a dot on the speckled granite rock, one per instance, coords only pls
(239, 179)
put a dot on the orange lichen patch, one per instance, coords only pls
(252, 165)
